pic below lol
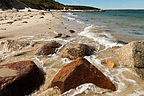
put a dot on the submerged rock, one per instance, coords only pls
(14, 45)
(20, 78)
(48, 48)
(78, 72)
(76, 50)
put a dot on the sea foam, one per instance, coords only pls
(101, 40)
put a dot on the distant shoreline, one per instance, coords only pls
(79, 10)
(122, 9)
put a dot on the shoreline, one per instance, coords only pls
(27, 31)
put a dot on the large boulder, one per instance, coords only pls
(20, 78)
(132, 54)
(48, 48)
(76, 50)
(78, 72)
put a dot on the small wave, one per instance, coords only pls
(78, 21)
(85, 88)
(107, 42)
(71, 14)
(69, 18)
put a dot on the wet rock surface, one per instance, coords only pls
(132, 54)
(14, 45)
(20, 78)
(78, 72)
(48, 48)
(76, 50)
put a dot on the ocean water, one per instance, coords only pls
(129, 23)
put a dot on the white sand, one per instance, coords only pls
(24, 23)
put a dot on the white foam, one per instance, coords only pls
(101, 40)
(67, 17)
(71, 14)
(85, 88)
(137, 93)
(80, 22)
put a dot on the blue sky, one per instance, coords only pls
(107, 4)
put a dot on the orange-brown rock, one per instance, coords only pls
(78, 72)
(109, 64)
(48, 48)
(19, 78)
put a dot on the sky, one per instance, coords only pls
(107, 4)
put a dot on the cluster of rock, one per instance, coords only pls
(23, 77)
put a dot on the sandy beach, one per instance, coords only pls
(22, 33)
(24, 23)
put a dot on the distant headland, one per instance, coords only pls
(43, 4)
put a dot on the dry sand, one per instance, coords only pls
(24, 23)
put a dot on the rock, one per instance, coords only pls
(41, 17)
(78, 72)
(109, 63)
(10, 22)
(62, 36)
(132, 54)
(1, 37)
(65, 36)
(76, 50)
(14, 45)
(58, 35)
(20, 78)
(71, 31)
(2, 28)
(25, 22)
(14, 10)
(29, 10)
(42, 13)
(48, 48)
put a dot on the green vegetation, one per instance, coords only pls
(42, 4)
(81, 7)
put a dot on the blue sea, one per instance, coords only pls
(125, 25)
